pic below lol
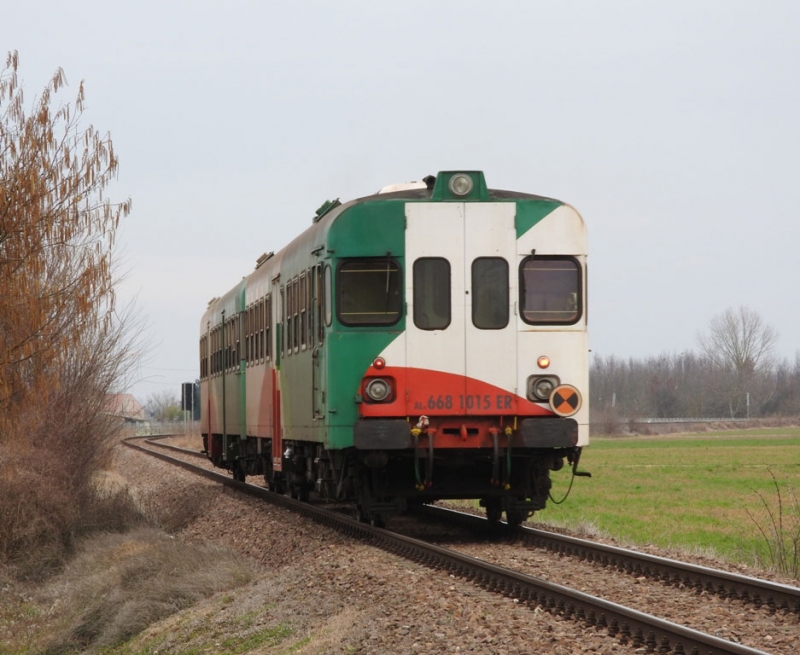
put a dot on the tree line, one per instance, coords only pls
(733, 374)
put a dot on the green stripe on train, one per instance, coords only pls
(530, 212)
(371, 229)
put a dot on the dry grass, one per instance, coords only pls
(609, 424)
(330, 635)
(606, 422)
(173, 512)
(192, 441)
(49, 501)
(116, 587)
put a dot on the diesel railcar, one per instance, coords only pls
(426, 342)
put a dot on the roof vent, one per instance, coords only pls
(324, 208)
(265, 257)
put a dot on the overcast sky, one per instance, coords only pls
(674, 128)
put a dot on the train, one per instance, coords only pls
(426, 342)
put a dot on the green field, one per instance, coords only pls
(689, 491)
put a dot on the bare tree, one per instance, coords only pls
(164, 405)
(741, 345)
(740, 340)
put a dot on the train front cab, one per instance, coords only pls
(483, 394)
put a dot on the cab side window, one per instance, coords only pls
(369, 292)
(550, 290)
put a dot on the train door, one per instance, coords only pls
(490, 275)
(317, 334)
(460, 327)
(435, 296)
(276, 333)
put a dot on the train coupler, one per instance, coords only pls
(575, 472)
(420, 453)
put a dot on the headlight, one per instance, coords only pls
(378, 390)
(543, 388)
(540, 388)
(460, 184)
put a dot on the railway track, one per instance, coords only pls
(775, 596)
(629, 626)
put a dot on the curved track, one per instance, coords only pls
(629, 626)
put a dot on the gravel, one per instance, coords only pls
(340, 596)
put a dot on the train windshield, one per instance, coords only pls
(369, 292)
(550, 290)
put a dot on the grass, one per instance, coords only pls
(117, 586)
(262, 638)
(215, 632)
(691, 491)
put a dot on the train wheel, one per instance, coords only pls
(359, 514)
(276, 486)
(367, 494)
(373, 518)
(269, 474)
(238, 472)
(515, 517)
(494, 511)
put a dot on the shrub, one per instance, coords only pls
(780, 530)
(64, 346)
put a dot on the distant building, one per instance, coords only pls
(126, 407)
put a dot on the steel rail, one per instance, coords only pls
(627, 625)
(154, 441)
(774, 595)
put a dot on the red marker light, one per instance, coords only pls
(543, 362)
(379, 363)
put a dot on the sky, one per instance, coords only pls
(673, 128)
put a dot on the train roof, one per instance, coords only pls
(431, 188)
(427, 194)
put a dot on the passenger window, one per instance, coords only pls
(237, 341)
(369, 292)
(287, 318)
(320, 300)
(302, 304)
(260, 327)
(431, 293)
(550, 290)
(327, 299)
(268, 328)
(250, 329)
(296, 308)
(312, 304)
(490, 293)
